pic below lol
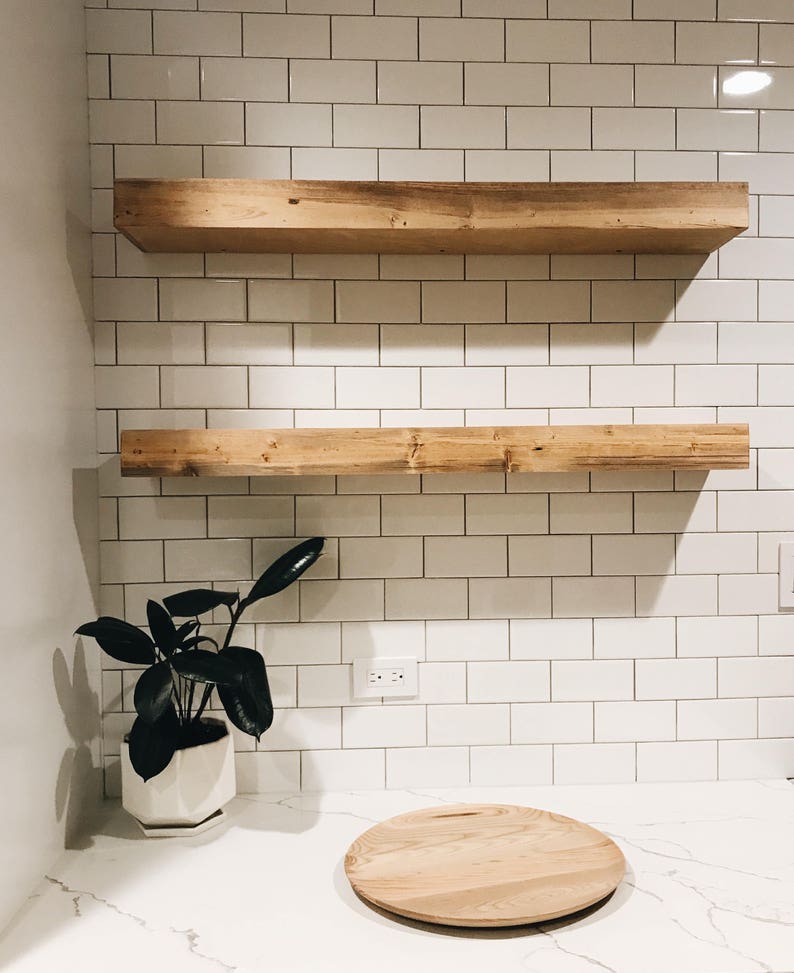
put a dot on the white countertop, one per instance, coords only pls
(709, 889)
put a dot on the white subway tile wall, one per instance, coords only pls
(569, 628)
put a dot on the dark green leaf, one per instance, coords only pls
(153, 692)
(197, 601)
(288, 568)
(191, 643)
(152, 747)
(203, 666)
(121, 641)
(162, 628)
(186, 629)
(248, 705)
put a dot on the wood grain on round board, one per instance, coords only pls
(483, 865)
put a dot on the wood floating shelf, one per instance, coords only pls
(300, 216)
(510, 449)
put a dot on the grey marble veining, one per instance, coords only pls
(709, 888)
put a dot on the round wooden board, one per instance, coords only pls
(483, 865)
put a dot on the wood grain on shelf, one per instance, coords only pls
(301, 216)
(473, 449)
(483, 865)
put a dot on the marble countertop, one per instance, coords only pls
(709, 889)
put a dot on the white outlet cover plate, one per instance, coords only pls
(362, 688)
(786, 576)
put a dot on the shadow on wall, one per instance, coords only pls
(79, 784)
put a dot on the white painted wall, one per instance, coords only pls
(48, 717)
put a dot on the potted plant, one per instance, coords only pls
(177, 765)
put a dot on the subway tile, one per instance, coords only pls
(118, 32)
(603, 166)
(416, 344)
(677, 761)
(486, 165)
(630, 638)
(307, 643)
(237, 162)
(636, 385)
(158, 161)
(509, 598)
(380, 557)
(767, 173)
(461, 39)
(295, 387)
(505, 344)
(775, 633)
(316, 728)
(775, 717)
(573, 681)
(749, 594)
(776, 133)
(469, 127)
(544, 556)
(290, 125)
(591, 344)
(734, 93)
(423, 165)
(121, 121)
(433, 598)
(728, 635)
(596, 597)
(377, 388)
(508, 682)
(504, 8)
(249, 344)
(427, 767)
(422, 515)
(676, 86)
(558, 723)
(506, 84)
(200, 123)
(634, 300)
(154, 343)
(550, 41)
(484, 724)
(775, 44)
(462, 387)
(323, 770)
(683, 595)
(675, 343)
(768, 510)
(349, 516)
(676, 678)
(588, 9)
(375, 38)
(136, 76)
(325, 686)
(634, 42)
(597, 763)
(197, 33)
(754, 677)
(467, 641)
(203, 386)
(291, 300)
(723, 130)
(634, 128)
(386, 302)
(676, 10)
(636, 554)
(155, 518)
(774, 299)
(711, 719)
(593, 84)
(555, 300)
(511, 766)
(548, 128)
(463, 301)
(462, 557)
(517, 513)
(716, 43)
(378, 126)
(251, 516)
(198, 300)
(756, 258)
(212, 560)
(126, 562)
(582, 513)
(715, 553)
(263, 772)
(551, 638)
(334, 164)
(617, 722)
(286, 35)
(331, 81)
(349, 600)
(420, 82)
(245, 79)
(755, 759)
(126, 387)
(733, 300)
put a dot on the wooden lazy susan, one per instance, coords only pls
(483, 865)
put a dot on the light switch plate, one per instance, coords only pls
(786, 576)
(373, 678)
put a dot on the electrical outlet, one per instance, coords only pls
(373, 678)
(786, 576)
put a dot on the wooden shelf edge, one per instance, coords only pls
(510, 449)
(314, 216)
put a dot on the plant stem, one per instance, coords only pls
(235, 617)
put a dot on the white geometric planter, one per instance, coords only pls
(193, 787)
